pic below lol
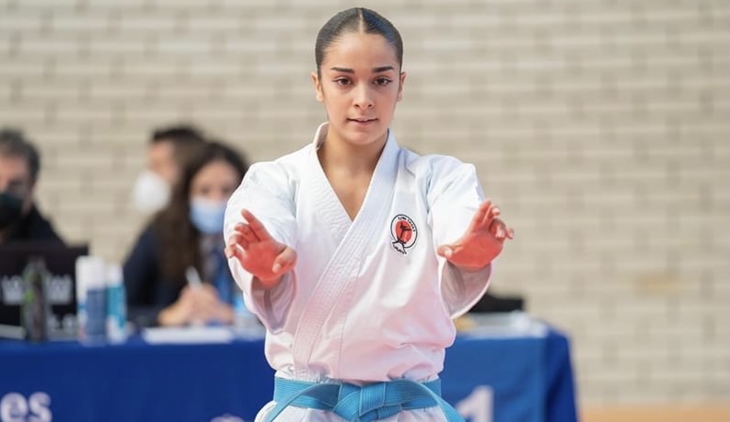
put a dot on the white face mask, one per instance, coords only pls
(207, 216)
(151, 192)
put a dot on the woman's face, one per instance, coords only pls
(360, 84)
(215, 182)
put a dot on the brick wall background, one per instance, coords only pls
(601, 127)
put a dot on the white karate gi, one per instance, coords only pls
(369, 299)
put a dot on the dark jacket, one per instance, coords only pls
(32, 226)
(147, 291)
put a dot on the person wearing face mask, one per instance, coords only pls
(20, 219)
(168, 148)
(187, 234)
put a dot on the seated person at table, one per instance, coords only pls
(187, 233)
(20, 219)
(168, 148)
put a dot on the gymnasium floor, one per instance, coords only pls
(710, 413)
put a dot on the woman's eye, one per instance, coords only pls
(342, 81)
(382, 81)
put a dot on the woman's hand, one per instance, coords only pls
(179, 313)
(258, 252)
(482, 242)
(196, 305)
(208, 307)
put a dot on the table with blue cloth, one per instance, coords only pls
(488, 377)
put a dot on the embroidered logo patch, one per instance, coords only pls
(404, 233)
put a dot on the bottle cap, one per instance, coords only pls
(114, 276)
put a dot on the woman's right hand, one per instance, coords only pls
(258, 252)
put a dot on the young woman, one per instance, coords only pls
(187, 233)
(356, 253)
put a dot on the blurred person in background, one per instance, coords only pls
(187, 234)
(20, 219)
(168, 148)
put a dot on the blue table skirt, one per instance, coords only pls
(514, 379)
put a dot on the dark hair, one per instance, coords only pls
(178, 134)
(13, 143)
(186, 141)
(356, 19)
(179, 239)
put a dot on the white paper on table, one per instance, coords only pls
(500, 325)
(187, 335)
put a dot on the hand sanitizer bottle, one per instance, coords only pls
(91, 299)
(116, 315)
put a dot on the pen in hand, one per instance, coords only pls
(193, 278)
(194, 282)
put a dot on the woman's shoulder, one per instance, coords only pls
(149, 235)
(286, 165)
(434, 165)
(281, 173)
(145, 249)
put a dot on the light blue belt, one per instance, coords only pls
(361, 404)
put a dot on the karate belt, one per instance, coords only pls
(361, 404)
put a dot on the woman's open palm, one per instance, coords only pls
(259, 253)
(482, 242)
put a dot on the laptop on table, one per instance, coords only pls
(60, 289)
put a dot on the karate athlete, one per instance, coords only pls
(356, 253)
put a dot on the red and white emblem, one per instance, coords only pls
(404, 233)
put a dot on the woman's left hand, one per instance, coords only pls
(482, 242)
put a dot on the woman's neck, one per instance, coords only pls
(338, 154)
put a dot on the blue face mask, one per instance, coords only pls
(207, 216)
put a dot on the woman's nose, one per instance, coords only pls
(363, 97)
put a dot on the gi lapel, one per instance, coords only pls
(328, 207)
(344, 265)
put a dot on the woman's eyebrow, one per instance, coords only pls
(382, 69)
(375, 69)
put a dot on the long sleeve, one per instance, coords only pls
(266, 192)
(454, 195)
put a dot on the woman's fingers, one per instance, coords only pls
(445, 250)
(256, 226)
(230, 251)
(235, 246)
(284, 261)
(239, 239)
(493, 213)
(500, 230)
(240, 227)
(485, 214)
(246, 231)
(248, 234)
(480, 215)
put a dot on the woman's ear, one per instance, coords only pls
(317, 87)
(400, 86)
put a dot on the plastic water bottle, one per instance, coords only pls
(116, 315)
(35, 309)
(91, 299)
